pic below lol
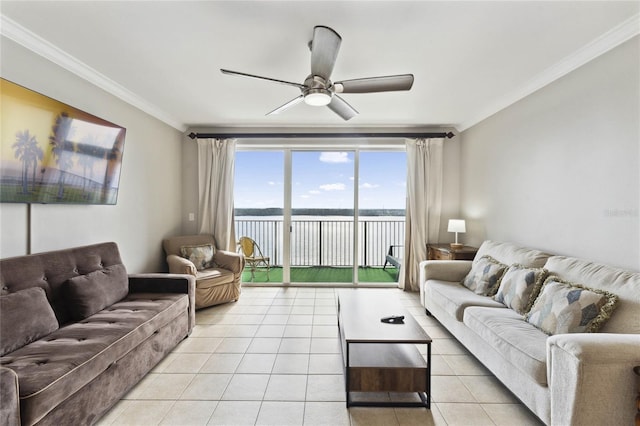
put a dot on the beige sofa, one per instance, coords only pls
(215, 284)
(565, 379)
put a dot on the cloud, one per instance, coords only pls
(271, 182)
(314, 191)
(333, 187)
(334, 157)
(369, 185)
(305, 196)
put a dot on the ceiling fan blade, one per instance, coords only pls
(342, 108)
(324, 51)
(286, 106)
(389, 83)
(242, 74)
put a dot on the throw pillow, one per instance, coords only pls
(520, 286)
(25, 316)
(564, 307)
(200, 255)
(484, 276)
(91, 293)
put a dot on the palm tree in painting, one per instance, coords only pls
(86, 159)
(35, 154)
(62, 150)
(29, 152)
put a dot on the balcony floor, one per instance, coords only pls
(323, 274)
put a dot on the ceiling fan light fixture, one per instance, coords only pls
(317, 97)
(318, 90)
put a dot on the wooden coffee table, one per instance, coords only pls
(381, 357)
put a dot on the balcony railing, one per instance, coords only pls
(320, 242)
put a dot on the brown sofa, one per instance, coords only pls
(78, 332)
(215, 284)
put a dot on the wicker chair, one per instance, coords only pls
(253, 255)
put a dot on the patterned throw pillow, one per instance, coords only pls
(520, 286)
(564, 307)
(200, 255)
(484, 276)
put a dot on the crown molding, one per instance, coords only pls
(600, 45)
(29, 40)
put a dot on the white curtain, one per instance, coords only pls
(424, 205)
(216, 165)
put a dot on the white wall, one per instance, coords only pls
(559, 170)
(149, 203)
(190, 186)
(450, 189)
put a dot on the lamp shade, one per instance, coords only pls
(456, 225)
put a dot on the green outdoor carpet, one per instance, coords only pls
(323, 274)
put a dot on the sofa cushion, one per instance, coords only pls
(213, 277)
(200, 255)
(172, 245)
(509, 254)
(52, 368)
(25, 316)
(520, 286)
(484, 277)
(624, 284)
(454, 298)
(564, 307)
(521, 344)
(90, 293)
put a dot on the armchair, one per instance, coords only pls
(216, 283)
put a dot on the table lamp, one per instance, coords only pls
(456, 225)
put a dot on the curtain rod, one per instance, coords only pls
(427, 135)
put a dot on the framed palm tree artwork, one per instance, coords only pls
(51, 152)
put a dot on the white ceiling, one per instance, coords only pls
(470, 59)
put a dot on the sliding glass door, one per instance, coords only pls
(322, 215)
(259, 209)
(381, 202)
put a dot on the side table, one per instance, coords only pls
(445, 252)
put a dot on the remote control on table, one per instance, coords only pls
(393, 319)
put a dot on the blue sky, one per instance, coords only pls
(320, 179)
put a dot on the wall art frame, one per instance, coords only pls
(53, 153)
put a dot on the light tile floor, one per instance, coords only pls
(273, 358)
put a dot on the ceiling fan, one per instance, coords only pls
(319, 90)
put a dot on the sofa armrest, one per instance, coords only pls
(180, 265)
(167, 283)
(229, 260)
(445, 270)
(9, 398)
(591, 378)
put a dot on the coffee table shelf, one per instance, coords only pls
(377, 367)
(380, 357)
